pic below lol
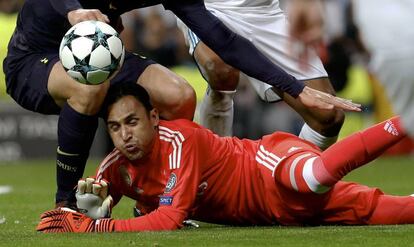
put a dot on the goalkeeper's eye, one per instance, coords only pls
(113, 127)
(132, 121)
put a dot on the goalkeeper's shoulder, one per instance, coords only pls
(107, 169)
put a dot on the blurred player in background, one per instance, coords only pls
(390, 44)
(37, 81)
(266, 26)
(177, 170)
(383, 29)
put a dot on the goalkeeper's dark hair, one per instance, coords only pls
(122, 89)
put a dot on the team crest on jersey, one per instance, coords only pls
(170, 183)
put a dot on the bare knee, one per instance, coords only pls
(171, 94)
(180, 100)
(220, 75)
(329, 124)
(88, 99)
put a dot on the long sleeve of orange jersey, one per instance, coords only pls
(107, 174)
(179, 195)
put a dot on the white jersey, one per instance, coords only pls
(258, 6)
(264, 24)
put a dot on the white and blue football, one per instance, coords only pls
(91, 52)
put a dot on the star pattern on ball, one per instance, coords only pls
(99, 38)
(92, 61)
(70, 37)
(82, 66)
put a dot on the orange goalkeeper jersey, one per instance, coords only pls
(193, 173)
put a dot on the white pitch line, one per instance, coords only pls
(5, 189)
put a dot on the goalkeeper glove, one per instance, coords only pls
(93, 199)
(67, 220)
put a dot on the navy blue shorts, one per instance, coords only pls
(27, 77)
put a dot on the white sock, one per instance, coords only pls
(216, 111)
(307, 133)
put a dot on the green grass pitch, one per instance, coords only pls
(33, 189)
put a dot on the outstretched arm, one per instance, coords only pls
(243, 55)
(232, 48)
(174, 203)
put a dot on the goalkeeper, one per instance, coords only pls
(177, 170)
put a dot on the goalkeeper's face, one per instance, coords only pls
(131, 127)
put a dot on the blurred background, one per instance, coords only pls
(152, 32)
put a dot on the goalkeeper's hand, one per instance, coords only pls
(68, 220)
(92, 198)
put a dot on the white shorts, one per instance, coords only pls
(269, 33)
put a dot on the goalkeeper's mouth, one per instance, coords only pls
(131, 148)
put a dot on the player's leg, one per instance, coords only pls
(271, 36)
(390, 210)
(356, 204)
(311, 172)
(171, 94)
(321, 126)
(38, 83)
(360, 148)
(77, 124)
(216, 109)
